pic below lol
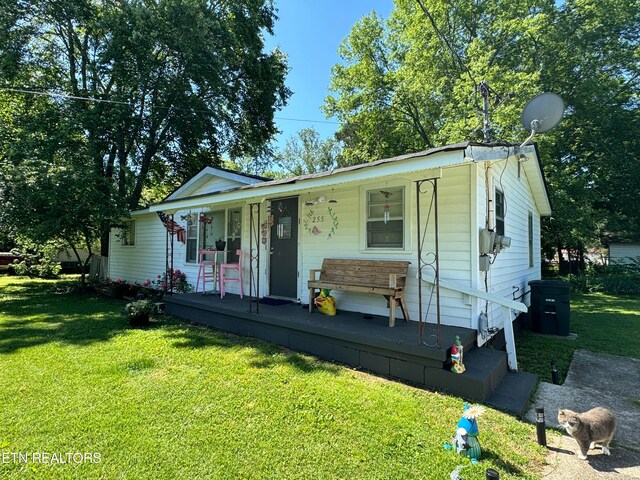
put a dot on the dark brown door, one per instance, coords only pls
(283, 266)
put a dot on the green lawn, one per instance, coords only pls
(177, 401)
(603, 324)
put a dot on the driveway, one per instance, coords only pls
(594, 380)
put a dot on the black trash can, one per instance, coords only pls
(549, 308)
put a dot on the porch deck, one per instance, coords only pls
(355, 339)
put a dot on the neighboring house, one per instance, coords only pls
(69, 261)
(6, 260)
(367, 211)
(623, 247)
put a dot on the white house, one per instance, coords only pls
(485, 193)
(623, 248)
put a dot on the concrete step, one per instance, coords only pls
(485, 368)
(514, 392)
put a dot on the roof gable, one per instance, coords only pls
(212, 180)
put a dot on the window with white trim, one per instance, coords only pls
(206, 228)
(385, 218)
(192, 239)
(128, 234)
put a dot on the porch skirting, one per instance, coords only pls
(360, 341)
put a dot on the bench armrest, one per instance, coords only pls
(393, 279)
(312, 274)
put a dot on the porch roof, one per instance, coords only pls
(429, 161)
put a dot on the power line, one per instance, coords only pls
(64, 95)
(119, 102)
(305, 120)
(446, 42)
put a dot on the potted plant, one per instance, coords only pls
(220, 244)
(118, 288)
(139, 311)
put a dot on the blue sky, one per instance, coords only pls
(309, 32)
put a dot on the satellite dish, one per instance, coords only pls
(542, 113)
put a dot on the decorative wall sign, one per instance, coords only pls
(315, 219)
(264, 229)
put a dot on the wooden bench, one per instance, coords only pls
(383, 277)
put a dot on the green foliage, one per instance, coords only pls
(307, 153)
(410, 83)
(229, 407)
(160, 90)
(615, 279)
(172, 280)
(401, 89)
(140, 308)
(37, 260)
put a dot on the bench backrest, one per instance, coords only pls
(373, 273)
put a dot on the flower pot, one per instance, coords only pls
(141, 320)
(119, 290)
(220, 244)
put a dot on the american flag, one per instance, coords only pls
(173, 227)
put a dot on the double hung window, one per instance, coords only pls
(385, 218)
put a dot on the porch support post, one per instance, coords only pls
(509, 338)
(254, 256)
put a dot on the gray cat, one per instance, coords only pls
(588, 428)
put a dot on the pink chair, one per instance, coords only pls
(207, 271)
(223, 279)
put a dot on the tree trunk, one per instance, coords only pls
(104, 244)
(563, 266)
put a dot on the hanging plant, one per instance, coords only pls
(205, 219)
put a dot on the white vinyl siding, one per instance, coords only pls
(510, 272)
(340, 231)
(623, 252)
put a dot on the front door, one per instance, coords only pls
(283, 266)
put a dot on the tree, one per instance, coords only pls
(593, 156)
(170, 85)
(306, 153)
(412, 83)
(47, 193)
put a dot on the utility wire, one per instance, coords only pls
(119, 102)
(446, 42)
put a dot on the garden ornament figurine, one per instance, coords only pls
(465, 440)
(457, 352)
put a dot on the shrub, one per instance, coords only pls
(173, 280)
(37, 261)
(139, 311)
(614, 279)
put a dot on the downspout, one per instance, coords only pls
(483, 319)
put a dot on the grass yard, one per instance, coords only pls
(177, 401)
(603, 324)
